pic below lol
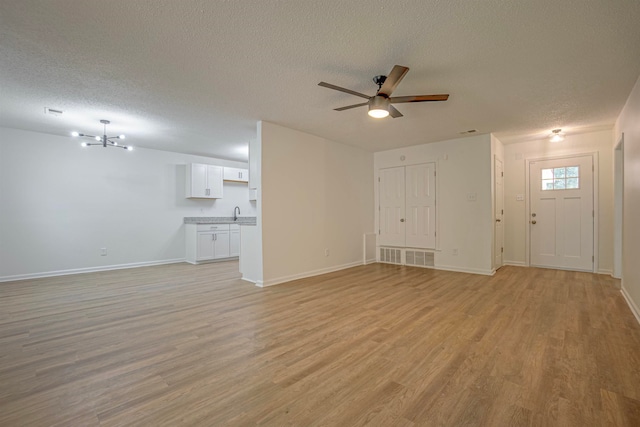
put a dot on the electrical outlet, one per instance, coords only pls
(519, 197)
(471, 197)
(326, 252)
(454, 252)
(103, 251)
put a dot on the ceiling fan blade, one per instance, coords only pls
(393, 80)
(348, 107)
(394, 113)
(341, 89)
(418, 98)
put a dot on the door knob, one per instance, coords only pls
(401, 219)
(533, 222)
(497, 220)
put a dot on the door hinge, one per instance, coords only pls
(502, 212)
(501, 173)
(593, 258)
(435, 173)
(593, 214)
(378, 179)
(501, 250)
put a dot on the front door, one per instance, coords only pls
(561, 213)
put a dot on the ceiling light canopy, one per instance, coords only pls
(556, 135)
(379, 107)
(105, 141)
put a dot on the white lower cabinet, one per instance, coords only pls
(206, 242)
(234, 240)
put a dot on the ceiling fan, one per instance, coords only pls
(380, 103)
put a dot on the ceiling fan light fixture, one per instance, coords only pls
(556, 135)
(379, 107)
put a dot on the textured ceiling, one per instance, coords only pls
(195, 76)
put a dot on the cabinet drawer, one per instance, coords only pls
(213, 227)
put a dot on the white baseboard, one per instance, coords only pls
(603, 271)
(632, 305)
(284, 279)
(515, 263)
(465, 270)
(370, 261)
(88, 270)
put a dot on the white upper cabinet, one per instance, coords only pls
(236, 174)
(204, 181)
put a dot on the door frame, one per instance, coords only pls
(596, 205)
(495, 214)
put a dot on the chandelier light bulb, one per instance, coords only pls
(98, 138)
(130, 148)
(74, 133)
(121, 137)
(83, 144)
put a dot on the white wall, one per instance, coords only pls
(628, 123)
(251, 236)
(316, 194)
(463, 167)
(516, 220)
(60, 203)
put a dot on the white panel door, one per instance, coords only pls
(392, 207)
(421, 206)
(561, 213)
(499, 213)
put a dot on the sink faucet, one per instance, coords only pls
(235, 216)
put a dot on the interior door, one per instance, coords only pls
(499, 213)
(392, 207)
(421, 206)
(561, 213)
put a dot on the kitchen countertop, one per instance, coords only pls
(242, 220)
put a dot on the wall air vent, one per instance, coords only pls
(466, 132)
(419, 258)
(391, 255)
(52, 112)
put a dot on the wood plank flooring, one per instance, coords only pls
(377, 345)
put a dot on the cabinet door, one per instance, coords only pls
(214, 181)
(234, 243)
(197, 180)
(236, 175)
(221, 244)
(205, 246)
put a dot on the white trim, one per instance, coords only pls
(515, 263)
(463, 270)
(632, 305)
(370, 261)
(304, 275)
(603, 271)
(88, 270)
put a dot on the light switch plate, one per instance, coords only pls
(520, 197)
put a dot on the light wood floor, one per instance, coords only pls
(380, 345)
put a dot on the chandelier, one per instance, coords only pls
(104, 140)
